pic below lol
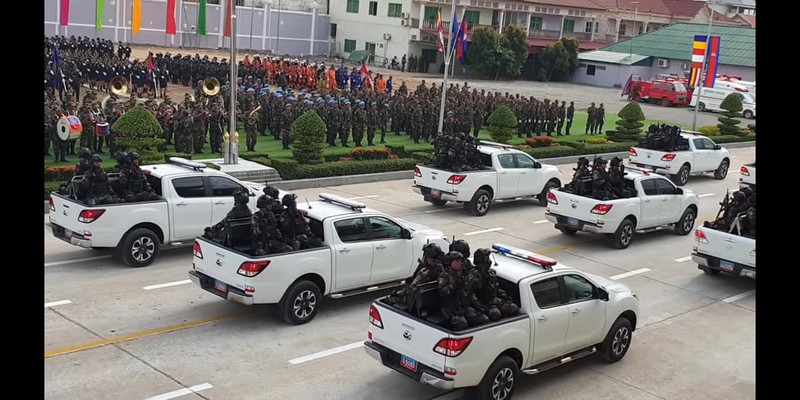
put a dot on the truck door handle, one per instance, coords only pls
(180, 204)
(542, 317)
(647, 201)
(576, 311)
(219, 203)
(729, 240)
(503, 173)
(380, 247)
(665, 200)
(344, 250)
(523, 173)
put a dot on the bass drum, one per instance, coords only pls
(69, 127)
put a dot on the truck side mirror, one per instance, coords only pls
(602, 294)
(405, 233)
(717, 147)
(678, 191)
(537, 165)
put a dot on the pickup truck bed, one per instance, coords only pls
(718, 251)
(703, 156)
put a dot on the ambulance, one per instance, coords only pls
(712, 98)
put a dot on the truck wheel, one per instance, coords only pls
(623, 237)
(617, 342)
(686, 224)
(543, 196)
(568, 231)
(709, 271)
(701, 106)
(682, 176)
(300, 303)
(665, 102)
(722, 170)
(479, 205)
(139, 248)
(498, 383)
(438, 202)
(748, 114)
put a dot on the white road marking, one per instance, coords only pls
(627, 274)
(57, 303)
(439, 210)
(182, 392)
(705, 195)
(54, 263)
(325, 353)
(543, 221)
(168, 284)
(739, 296)
(683, 259)
(364, 197)
(483, 231)
(734, 172)
(734, 156)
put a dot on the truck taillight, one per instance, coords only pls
(700, 236)
(743, 171)
(53, 206)
(602, 209)
(251, 269)
(456, 179)
(417, 172)
(375, 317)
(196, 250)
(452, 347)
(668, 157)
(632, 152)
(551, 198)
(88, 216)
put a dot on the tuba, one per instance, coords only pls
(257, 109)
(211, 86)
(119, 85)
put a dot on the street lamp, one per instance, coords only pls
(635, 13)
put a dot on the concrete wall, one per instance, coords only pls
(365, 28)
(291, 34)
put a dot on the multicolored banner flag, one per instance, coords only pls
(99, 8)
(713, 62)
(136, 16)
(201, 18)
(698, 56)
(64, 20)
(440, 27)
(171, 25)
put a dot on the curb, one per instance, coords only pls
(397, 175)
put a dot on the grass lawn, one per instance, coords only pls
(272, 147)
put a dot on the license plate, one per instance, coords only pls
(435, 193)
(573, 222)
(221, 286)
(409, 363)
(726, 265)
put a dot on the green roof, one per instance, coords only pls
(737, 43)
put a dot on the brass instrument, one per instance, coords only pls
(119, 85)
(211, 86)
(253, 112)
(104, 101)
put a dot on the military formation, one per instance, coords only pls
(277, 226)
(665, 138)
(737, 214)
(92, 185)
(602, 181)
(469, 292)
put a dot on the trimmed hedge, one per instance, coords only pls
(577, 145)
(50, 187)
(553, 151)
(732, 138)
(290, 169)
(596, 140)
(308, 138)
(608, 147)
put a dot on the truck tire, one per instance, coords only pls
(685, 225)
(701, 106)
(300, 303)
(618, 341)
(623, 237)
(722, 170)
(748, 114)
(480, 203)
(551, 184)
(682, 176)
(139, 248)
(438, 202)
(665, 102)
(568, 231)
(498, 383)
(709, 271)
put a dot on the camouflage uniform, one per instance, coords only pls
(359, 124)
(372, 117)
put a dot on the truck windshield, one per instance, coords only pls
(679, 87)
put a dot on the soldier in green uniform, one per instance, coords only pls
(359, 123)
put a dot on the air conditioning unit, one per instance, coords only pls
(663, 62)
(403, 22)
(684, 66)
(387, 36)
(406, 15)
(414, 37)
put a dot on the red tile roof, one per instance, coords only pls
(750, 20)
(583, 45)
(675, 8)
(718, 17)
(584, 4)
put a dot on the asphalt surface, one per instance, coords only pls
(113, 332)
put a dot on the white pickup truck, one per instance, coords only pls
(508, 174)
(716, 251)
(363, 250)
(703, 156)
(747, 176)
(193, 197)
(564, 315)
(656, 203)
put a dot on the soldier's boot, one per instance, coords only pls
(370, 138)
(383, 136)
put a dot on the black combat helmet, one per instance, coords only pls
(133, 155)
(482, 256)
(122, 158)
(739, 197)
(240, 198)
(460, 246)
(85, 153)
(746, 191)
(288, 200)
(264, 201)
(599, 161)
(432, 250)
(271, 191)
(96, 158)
(583, 162)
(616, 161)
(454, 255)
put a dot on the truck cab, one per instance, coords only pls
(667, 92)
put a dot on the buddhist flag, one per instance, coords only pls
(171, 26)
(99, 7)
(228, 12)
(698, 56)
(713, 62)
(64, 20)
(440, 27)
(136, 16)
(201, 18)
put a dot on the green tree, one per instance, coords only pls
(502, 124)
(630, 120)
(732, 104)
(572, 47)
(138, 130)
(554, 63)
(516, 41)
(308, 138)
(483, 51)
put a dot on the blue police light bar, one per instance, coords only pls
(186, 163)
(333, 199)
(527, 255)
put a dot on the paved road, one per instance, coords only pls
(113, 332)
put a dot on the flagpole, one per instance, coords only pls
(446, 65)
(703, 66)
(234, 87)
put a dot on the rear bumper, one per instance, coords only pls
(443, 195)
(73, 238)
(424, 374)
(711, 262)
(562, 222)
(655, 168)
(232, 293)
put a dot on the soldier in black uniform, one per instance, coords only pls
(277, 205)
(600, 179)
(428, 269)
(580, 178)
(133, 181)
(267, 237)
(495, 299)
(95, 185)
(295, 228)
(616, 179)
(240, 210)
(451, 291)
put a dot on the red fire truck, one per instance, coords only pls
(667, 91)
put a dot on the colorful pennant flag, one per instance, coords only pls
(440, 27)
(698, 56)
(136, 16)
(171, 25)
(99, 7)
(201, 18)
(64, 20)
(713, 62)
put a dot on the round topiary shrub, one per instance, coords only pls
(733, 109)
(308, 138)
(597, 140)
(708, 130)
(502, 124)
(138, 130)
(630, 119)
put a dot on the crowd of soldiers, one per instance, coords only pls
(277, 226)
(469, 292)
(737, 213)
(664, 137)
(92, 185)
(601, 181)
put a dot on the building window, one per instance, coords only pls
(395, 10)
(536, 23)
(473, 17)
(349, 45)
(590, 69)
(622, 30)
(588, 27)
(641, 29)
(352, 6)
(569, 25)
(373, 8)
(431, 13)
(583, 13)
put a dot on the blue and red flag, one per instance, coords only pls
(713, 62)
(628, 86)
(461, 44)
